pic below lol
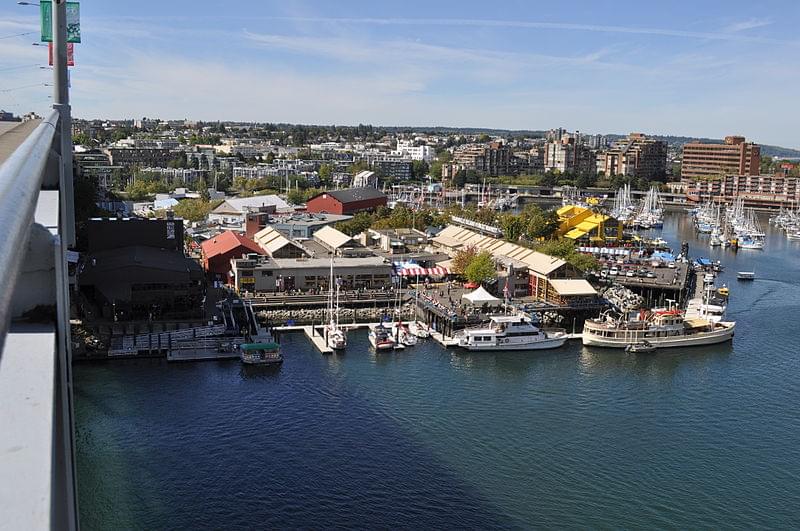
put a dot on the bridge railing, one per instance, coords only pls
(37, 477)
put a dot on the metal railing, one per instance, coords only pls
(21, 178)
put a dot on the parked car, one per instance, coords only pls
(630, 273)
(614, 271)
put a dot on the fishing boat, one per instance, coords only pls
(260, 353)
(645, 347)
(509, 332)
(746, 275)
(662, 328)
(381, 338)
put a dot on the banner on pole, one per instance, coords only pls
(73, 21)
(70, 54)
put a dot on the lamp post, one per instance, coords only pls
(61, 103)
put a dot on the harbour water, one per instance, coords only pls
(430, 437)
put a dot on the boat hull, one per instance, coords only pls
(720, 335)
(544, 344)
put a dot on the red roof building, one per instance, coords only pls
(218, 251)
(348, 201)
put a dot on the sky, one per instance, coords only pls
(701, 68)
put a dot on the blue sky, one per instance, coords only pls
(699, 68)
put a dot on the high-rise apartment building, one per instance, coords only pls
(734, 157)
(635, 156)
(567, 155)
(491, 159)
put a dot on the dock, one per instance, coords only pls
(200, 355)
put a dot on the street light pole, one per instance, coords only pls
(61, 103)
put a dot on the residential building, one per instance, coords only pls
(218, 251)
(349, 201)
(635, 156)
(771, 191)
(490, 159)
(567, 155)
(393, 168)
(406, 148)
(142, 157)
(733, 157)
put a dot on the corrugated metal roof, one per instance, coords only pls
(572, 286)
(331, 237)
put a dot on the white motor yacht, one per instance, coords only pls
(509, 332)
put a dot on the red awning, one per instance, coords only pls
(423, 271)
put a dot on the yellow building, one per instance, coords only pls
(577, 222)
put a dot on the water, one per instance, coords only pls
(576, 437)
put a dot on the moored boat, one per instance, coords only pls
(381, 338)
(664, 328)
(261, 353)
(509, 332)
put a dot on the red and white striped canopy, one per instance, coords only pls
(422, 271)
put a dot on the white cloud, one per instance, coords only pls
(747, 25)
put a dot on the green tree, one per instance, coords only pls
(513, 226)
(80, 139)
(325, 171)
(360, 222)
(462, 259)
(419, 168)
(481, 268)
(203, 189)
(194, 209)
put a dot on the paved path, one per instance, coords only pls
(11, 136)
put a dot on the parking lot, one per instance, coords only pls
(633, 272)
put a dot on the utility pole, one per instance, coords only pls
(61, 103)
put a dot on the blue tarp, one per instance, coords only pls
(663, 255)
(703, 261)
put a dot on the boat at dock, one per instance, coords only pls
(261, 353)
(335, 336)
(402, 334)
(381, 338)
(509, 332)
(662, 328)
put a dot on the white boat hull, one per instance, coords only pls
(719, 335)
(552, 342)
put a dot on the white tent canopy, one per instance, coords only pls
(481, 296)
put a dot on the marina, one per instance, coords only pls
(465, 429)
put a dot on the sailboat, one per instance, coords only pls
(335, 336)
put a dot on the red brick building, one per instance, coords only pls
(218, 251)
(348, 201)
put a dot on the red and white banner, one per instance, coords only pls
(422, 271)
(70, 54)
